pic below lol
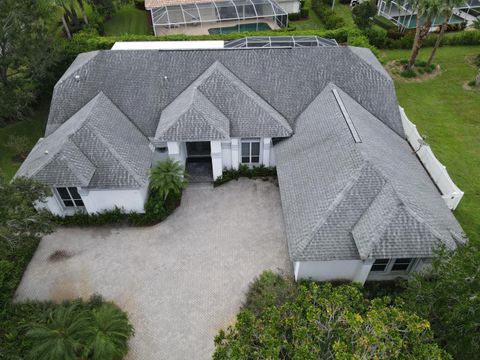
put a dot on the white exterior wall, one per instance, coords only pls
(101, 200)
(352, 270)
(52, 204)
(227, 154)
(217, 161)
(177, 151)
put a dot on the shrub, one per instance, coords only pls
(376, 36)
(326, 15)
(383, 22)
(245, 171)
(408, 73)
(472, 83)
(476, 24)
(285, 320)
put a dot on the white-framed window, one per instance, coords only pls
(392, 265)
(70, 197)
(250, 151)
(380, 265)
(402, 264)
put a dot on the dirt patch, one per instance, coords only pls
(394, 68)
(60, 255)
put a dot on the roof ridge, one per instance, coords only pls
(73, 169)
(341, 195)
(248, 91)
(208, 119)
(365, 62)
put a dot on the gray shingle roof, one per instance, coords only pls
(192, 117)
(347, 200)
(143, 83)
(97, 147)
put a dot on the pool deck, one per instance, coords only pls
(202, 29)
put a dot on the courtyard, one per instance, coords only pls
(180, 281)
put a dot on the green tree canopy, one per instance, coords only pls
(363, 12)
(26, 45)
(322, 321)
(449, 296)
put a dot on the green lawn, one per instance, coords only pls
(129, 20)
(32, 128)
(450, 118)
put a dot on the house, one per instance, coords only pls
(357, 202)
(203, 17)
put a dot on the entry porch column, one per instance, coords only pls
(216, 154)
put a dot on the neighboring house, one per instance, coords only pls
(357, 202)
(203, 17)
(405, 17)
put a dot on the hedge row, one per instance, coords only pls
(383, 39)
(245, 171)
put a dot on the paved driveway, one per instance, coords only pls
(180, 281)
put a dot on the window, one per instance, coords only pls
(70, 197)
(380, 265)
(401, 264)
(250, 151)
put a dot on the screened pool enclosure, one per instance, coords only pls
(198, 17)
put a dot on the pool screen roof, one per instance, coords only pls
(280, 41)
(215, 11)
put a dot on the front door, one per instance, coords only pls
(198, 149)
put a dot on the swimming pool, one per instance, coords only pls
(240, 28)
(405, 20)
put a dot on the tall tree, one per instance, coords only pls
(426, 11)
(26, 44)
(446, 9)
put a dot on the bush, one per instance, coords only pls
(285, 320)
(261, 171)
(408, 73)
(326, 15)
(376, 36)
(156, 210)
(383, 22)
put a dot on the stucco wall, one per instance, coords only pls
(101, 200)
(353, 270)
(51, 203)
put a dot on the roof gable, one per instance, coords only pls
(97, 147)
(191, 116)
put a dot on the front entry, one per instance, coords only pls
(199, 161)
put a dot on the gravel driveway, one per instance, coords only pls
(180, 281)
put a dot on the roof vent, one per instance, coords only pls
(46, 152)
(77, 78)
(347, 118)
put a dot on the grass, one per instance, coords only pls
(128, 20)
(449, 117)
(33, 128)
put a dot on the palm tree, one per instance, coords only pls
(446, 10)
(62, 337)
(168, 177)
(111, 331)
(426, 9)
(84, 13)
(62, 4)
